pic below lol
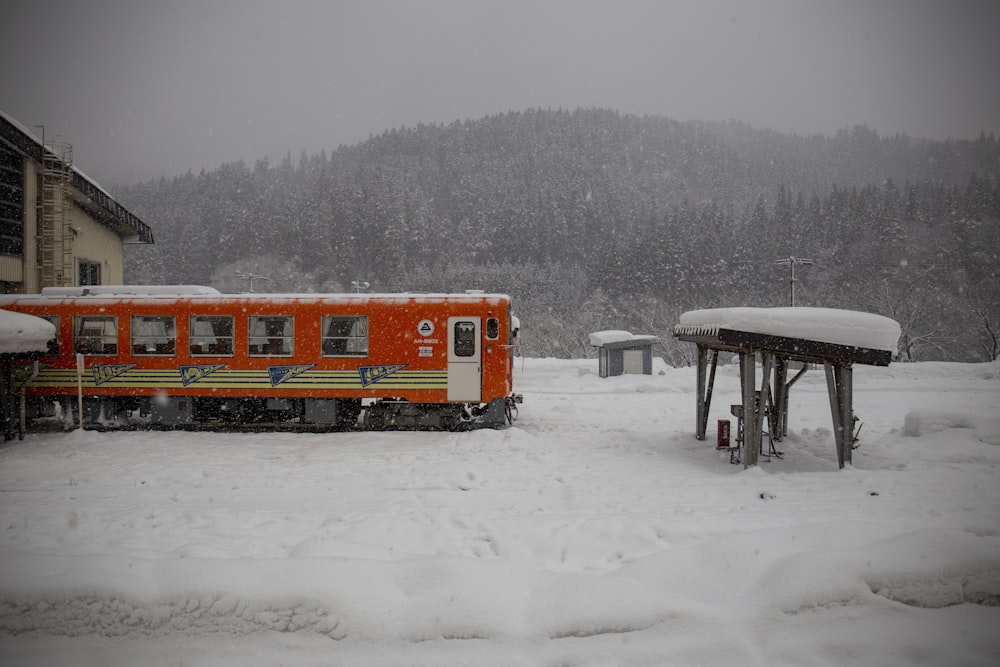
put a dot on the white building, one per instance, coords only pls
(57, 227)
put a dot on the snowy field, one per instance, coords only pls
(595, 531)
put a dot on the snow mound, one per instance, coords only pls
(114, 615)
(918, 423)
(937, 568)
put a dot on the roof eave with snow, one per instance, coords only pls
(92, 197)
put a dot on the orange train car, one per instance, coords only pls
(188, 356)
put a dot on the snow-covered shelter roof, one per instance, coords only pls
(90, 196)
(617, 338)
(806, 333)
(21, 334)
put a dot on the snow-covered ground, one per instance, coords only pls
(595, 531)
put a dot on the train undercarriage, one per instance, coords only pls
(262, 414)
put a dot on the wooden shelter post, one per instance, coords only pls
(748, 389)
(780, 416)
(788, 390)
(839, 383)
(7, 393)
(754, 402)
(704, 389)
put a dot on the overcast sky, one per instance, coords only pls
(144, 88)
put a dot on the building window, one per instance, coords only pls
(271, 336)
(89, 272)
(154, 335)
(345, 336)
(95, 334)
(211, 335)
(11, 202)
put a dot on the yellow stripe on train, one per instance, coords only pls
(215, 376)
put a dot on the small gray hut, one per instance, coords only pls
(621, 352)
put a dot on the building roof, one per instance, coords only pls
(91, 197)
(614, 339)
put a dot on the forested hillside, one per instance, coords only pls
(596, 220)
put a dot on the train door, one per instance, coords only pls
(464, 359)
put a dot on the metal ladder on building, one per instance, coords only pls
(55, 245)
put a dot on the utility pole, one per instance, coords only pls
(790, 262)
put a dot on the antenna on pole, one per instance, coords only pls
(790, 262)
(251, 277)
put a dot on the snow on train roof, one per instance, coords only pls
(20, 333)
(129, 290)
(140, 293)
(826, 325)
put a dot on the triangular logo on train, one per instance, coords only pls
(104, 372)
(22, 373)
(279, 374)
(191, 374)
(372, 374)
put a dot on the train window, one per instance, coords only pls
(95, 334)
(53, 345)
(345, 335)
(492, 328)
(210, 335)
(465, 339)
(154, 335)
(271, 335)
